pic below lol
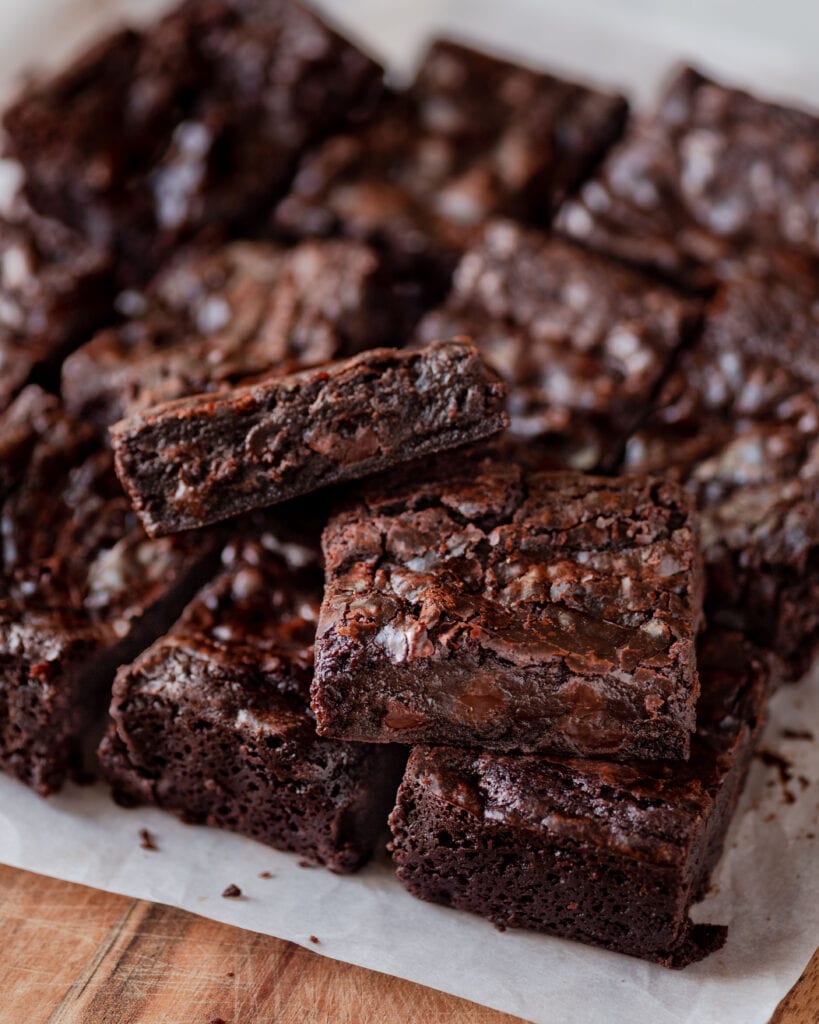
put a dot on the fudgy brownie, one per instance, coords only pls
(82, 588)
(477, 604)
(194, 123)
(212, 721)
(713, 173)
(582, 342)
(210, 320)
(609, 854)
(53, 289)
(205, 458)
(474, 136)
(738, 420)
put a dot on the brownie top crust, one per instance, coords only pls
(713, 173)
(651, 811)
(210, 320)
(474, 136)
(581, 341)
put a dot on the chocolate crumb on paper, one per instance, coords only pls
(147, 840)
(232, 892)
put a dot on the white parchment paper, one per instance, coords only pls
(766, 887)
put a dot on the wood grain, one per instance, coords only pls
(74, 955)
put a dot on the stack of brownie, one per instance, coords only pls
(431, 431)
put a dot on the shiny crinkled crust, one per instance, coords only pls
(608, 854)
(581, 341)
(484, 605)
(713, 174)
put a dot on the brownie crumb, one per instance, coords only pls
(147, 840)
(314, 940)
(265, 874)
(797, 734)
(773, 760)
(306, 864)
(232, 892)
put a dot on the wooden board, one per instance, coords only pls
(74, 955)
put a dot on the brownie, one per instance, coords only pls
(53, 290)
(713, 173)
(82, 588)
(209, 320)
(582, 342)
(212, 721)
(194, 123)
(477, 604)
(473, 136)
(608, 854)
(738, 421)
(201, 459)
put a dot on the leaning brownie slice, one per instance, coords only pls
(53, 289)
(212, 319)
(82, 588)
(212, 721)
(609, 854)
(194, 123)
(479, 604)
(205, 458)
(474, 136)
(581, 341)
(738, 421)
(713, 173)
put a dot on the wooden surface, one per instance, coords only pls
(73, 955)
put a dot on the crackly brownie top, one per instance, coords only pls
(211, 319)
(601, 575)
(738, 419)
(71, 545)
(257, 619)
(474, 136)
(204, 114)
(51, 287)
(713, 172)
(581, 341)
(653, 811)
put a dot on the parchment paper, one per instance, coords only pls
(766, 887)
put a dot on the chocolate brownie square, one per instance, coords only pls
(715, 172)
(738, 421)
(196, 122)
(609, 854)
(476, 604)
(201, 459)
(209, 320)
(53, 290)
(212, 721)
(581, 341)
(82, 588)
(473, 136)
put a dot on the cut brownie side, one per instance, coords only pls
(487, 606)
(713, 173)
(738, 420)
(54, 289)
(609, 854)
(194, 123)
(205, 458)
(210, 320)
(474, 136)
(582, 342)
(212, 721)
(82, 588)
